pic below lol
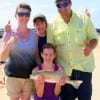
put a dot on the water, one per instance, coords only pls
(1, 32)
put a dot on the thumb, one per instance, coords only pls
(87, 13)
(86, 10)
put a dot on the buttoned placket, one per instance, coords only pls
(70, 56)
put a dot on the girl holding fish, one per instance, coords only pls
(48, 90)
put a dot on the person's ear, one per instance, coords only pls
(41, 54)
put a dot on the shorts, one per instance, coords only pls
(18, 86)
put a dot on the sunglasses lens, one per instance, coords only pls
(27, 14)
(62, 5)
(21, 14)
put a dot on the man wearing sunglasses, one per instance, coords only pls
(75, 38)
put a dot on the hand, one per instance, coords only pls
(41, 79)
(87, 49)
(62, 81)
(13, 39)
(87, 13)
(7, 28)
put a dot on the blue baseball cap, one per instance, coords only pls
(62, 0)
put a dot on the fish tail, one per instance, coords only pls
(75, 83)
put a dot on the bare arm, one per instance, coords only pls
(6, 45)
(93, 43)
(39, 88)
(61, 82)
(89, 46)
(39, 83)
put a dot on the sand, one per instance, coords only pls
(96, 78)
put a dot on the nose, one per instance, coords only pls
(61, 9)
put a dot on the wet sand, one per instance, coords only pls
(96, 78)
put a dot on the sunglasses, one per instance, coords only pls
(21, 14)
(62, 5)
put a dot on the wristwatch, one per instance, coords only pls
(2, 62)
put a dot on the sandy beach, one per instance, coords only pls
(96, 78)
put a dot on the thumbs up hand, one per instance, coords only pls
(87, 13)
(7, 27)
(13, 39)
(87, 49)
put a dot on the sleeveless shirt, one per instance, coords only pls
(48, 89)
(21, 60)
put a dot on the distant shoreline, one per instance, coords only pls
(1, 32)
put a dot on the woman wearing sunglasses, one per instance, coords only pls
(75, 38)
(19, 50)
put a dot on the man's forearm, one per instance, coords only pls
(93, 43)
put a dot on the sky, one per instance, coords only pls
(48, 8)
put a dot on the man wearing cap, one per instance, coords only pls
(75, 38)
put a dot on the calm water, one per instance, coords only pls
(0, 42)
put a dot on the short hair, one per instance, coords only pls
(23, 5)
(48, 46)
